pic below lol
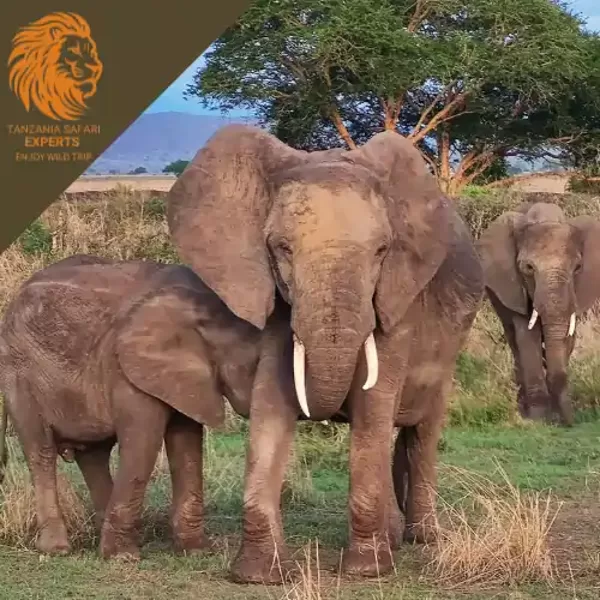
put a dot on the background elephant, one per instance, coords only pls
(354, 263)
(94, 352)
(542, 271)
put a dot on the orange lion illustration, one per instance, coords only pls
(54, 65)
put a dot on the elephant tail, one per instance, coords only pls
(401, 470)
(3, 446)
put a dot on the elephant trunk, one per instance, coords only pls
(333, 320)
(555, 301)
(322, 376)
(330, 384)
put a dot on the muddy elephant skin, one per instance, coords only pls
(93, 353)
(542, 271)
(364, 283)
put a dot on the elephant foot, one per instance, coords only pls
(118, 547)
(99, 522)
(53, 539)
(395, 538)
(193, 544)
(420, 533)
(364, 560)
(539, 413)
(261, 565)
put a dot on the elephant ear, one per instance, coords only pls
(498, 252)
(216, 212)
(420, 218)
(162, 353)
(587, 281)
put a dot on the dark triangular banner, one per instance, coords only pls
(75, 75)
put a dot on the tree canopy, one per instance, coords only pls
(176, 167)
(470, 82)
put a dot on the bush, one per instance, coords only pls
(582, 185)
(36, 239)
(176, 167)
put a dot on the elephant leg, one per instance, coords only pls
(506, 318)
(140, 421)
(395, 520)
(263, 555)
(531, 360)
(263, 551)
(184, 441)
(371, 438)
(416, 448)
(369, 551)
(509, 332)
(94, 464)
(41, 453)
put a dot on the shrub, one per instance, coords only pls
(36, 239)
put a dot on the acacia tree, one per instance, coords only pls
(462, 79)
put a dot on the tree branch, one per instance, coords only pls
(421, 11)
(430, 161)
(334, 114)
(391, 112)
(433, 104)
(440, 117)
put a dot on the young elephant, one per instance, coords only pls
(94, 352)
(541, 273)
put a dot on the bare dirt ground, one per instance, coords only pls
(110, 182)
(574, 539)
(552, 183)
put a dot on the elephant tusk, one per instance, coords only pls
(372, 363)
(572, 325)
(299, 375)
(534, 316)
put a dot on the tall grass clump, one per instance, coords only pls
(18, 525)
(491, 533)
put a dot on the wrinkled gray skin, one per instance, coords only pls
(93, 353)
(332, 247)
(534, 258)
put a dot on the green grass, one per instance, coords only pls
(536, 457)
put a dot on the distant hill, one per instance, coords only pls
(154, 140)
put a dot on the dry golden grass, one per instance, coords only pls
(494, 535)
(307, 583)
(120, 227)
(17, 507)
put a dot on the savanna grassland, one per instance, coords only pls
(519, 503)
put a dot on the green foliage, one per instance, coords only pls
(583, 185)
(36, 239)
(494, 77)
(155, 208)
(138, 171)
(177, 167)
(481, 399)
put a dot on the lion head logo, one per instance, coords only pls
(54, 65)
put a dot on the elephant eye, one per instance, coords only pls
(578, 267)
(527, 268)
(381, 250)
(285, 249)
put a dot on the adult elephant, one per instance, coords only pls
(541, 273)
(329, 253)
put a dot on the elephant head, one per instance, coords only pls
(159, 348)
(541, 265)
(347, 238)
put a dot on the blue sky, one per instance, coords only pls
(172, 98)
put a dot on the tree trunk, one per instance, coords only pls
(444, 169)
(341, 128)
